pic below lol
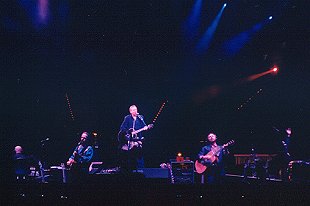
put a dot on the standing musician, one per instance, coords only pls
(81, 157)
(211, 155)
(285, 154)
(279, 164)
(21, 165)
(130, 140)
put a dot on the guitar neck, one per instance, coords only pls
(137, 131)
(142, 129)
(219, 148)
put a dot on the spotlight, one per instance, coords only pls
(225, 5)
(270, 17)
(275, 69)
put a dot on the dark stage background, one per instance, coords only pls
(107, 55)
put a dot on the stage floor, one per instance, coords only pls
(136, 190)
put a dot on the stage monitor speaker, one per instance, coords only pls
(183, 172)
(154, 172)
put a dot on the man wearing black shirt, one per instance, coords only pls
(130, 140)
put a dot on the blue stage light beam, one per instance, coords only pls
(191, 24)
(205, 41)
(232, 46)
(38, 11)
(235, 44)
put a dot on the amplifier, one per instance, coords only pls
(182, 172)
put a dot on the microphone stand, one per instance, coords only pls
(42, 161)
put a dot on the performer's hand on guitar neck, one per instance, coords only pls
(142, 129)
(146, 127)
(70, 162)
(205, 157)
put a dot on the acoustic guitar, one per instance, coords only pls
(208, 159)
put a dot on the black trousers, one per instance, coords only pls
(131, 160)
(214, 174)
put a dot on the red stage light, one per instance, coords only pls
(275, 69)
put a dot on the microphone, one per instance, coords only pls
(45, 140)
(141, 118)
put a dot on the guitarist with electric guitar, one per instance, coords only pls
(210, 160)
(81, 157)
(130, 140)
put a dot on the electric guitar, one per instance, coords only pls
(208, 159)
(132, 138)
(72, 162)
(76, 155)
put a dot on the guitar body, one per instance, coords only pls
(129, 135)
(202, 165)
(131, 145)
(131, 138)
(210, 158)
(200, 168)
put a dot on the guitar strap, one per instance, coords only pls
(83, 151)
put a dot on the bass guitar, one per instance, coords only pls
(208, 159)
(132, 138)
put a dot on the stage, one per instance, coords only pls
(133, 84)
(138, 190)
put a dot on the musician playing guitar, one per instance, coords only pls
(81, 157)
(130, 140)
(211, 161)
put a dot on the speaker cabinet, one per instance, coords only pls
(182, 172)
